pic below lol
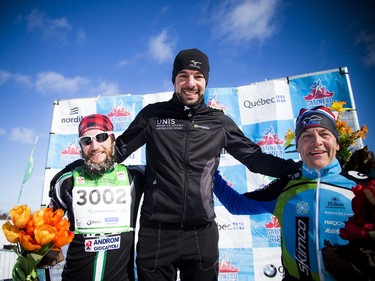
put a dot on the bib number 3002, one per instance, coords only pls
(96, 196)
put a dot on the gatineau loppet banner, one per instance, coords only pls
(249, 245)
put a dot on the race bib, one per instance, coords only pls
(103, 209)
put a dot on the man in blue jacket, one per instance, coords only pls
(312, 207)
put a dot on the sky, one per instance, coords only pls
(51, 50)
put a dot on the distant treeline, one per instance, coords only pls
(3, 216)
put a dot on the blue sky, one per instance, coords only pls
(72, 49)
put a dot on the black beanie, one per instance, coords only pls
(192, 59)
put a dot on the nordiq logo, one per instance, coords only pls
(71, 120)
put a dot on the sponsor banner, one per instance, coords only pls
(156, 97)
(265, 230)
(265, 111)
(48, 175)
(267, 264)
(225, 99)
(228, 160)
(68, 113)
(120, 109)
(270, 136)
(233, 226)
(64, 149)
(234, 175)
(255, 181)
(265, 101)
(236, 264)
(321, 88)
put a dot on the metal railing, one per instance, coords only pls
(7, 261)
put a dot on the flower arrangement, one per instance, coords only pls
(356, 260)
(36, 236)
(347, 137)
(361, 226)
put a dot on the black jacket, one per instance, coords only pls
(183, 147)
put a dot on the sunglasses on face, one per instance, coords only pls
(100, 137)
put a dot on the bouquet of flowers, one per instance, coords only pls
(37, 236)
(356, 260)
(361, 226)
(347, 137)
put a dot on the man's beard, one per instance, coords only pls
(187, 103)
(98, 169)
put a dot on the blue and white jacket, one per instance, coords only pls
(311, 209)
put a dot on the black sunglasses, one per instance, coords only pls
(100, 137)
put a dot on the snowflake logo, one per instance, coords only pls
(302, 208)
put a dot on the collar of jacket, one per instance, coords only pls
(333, 168)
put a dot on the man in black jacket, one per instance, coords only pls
(183, 140)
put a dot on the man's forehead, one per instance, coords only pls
(92, 132)
(315, 129)
(190, 71)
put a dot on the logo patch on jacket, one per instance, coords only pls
(168, 124)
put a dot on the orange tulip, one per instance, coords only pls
(20, 215)
(44, 234)
(38, 217)
(11, 232)
(62, 238)
(62, 225)
(53, 218)
(30, 227)
(28, 242)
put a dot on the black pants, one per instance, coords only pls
(194, 251)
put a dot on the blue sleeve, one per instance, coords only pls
(239, 204)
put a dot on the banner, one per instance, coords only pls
(265, 111)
